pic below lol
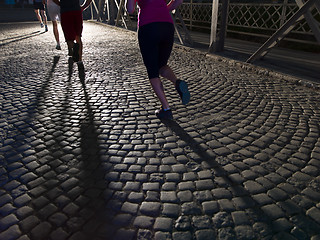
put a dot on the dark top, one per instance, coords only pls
(69, 5)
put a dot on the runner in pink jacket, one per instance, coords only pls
(156, 36)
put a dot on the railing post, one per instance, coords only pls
(223, 26)
(96, 8)
(284, 11)
(120, 10)
(112, 11)
(191, 13)
(214, 23)
(107, 11)
(91, 10)
(101, 16)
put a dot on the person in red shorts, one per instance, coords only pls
(72, 24)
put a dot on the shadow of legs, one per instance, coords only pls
(207, 158)
(70, 67)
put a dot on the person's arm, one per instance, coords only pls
(85, 4)
(173, 4)
(56, 2)
(131, 5)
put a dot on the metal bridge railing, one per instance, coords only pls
(251, 19)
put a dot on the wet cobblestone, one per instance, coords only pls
(86, 158)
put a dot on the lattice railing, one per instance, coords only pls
(251, 19)
(255, 16)
(197, 14)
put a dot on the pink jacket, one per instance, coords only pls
(153, 11)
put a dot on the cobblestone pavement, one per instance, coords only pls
(88, 159)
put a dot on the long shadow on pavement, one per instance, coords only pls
(92, 172)
(179, 131)
(243, 199)
(21, 37)
(88, 134)
(20, 132)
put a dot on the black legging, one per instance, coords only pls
(155, 41)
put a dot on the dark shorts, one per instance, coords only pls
(71, 23)
(155, 41)
(38, 5)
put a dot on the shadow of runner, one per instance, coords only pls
(248, 201)
(89, 136)
(20, 132)
(70, 68)
(196, 147)
(19, 38)
(76, 180)
(82, 76)
(93, 170)
(45, 85)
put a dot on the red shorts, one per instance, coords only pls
(71, 23)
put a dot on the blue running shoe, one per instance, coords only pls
(182, 88)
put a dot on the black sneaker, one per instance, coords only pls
(182, 88)
(164, 114)
(75, 55)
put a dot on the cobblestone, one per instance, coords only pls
(84, 157)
